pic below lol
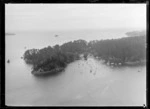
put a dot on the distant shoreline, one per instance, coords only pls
(10, 34)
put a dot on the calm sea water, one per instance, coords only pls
(82, 83)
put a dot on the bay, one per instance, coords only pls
(82, 83)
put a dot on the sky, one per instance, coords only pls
(45, 17)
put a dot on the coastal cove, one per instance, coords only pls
(116, 52)
(60, 55)
(57, 70)
(83, 82)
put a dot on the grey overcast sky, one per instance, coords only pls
(24, 17)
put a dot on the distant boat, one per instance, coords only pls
(90, 71)
(8, 61)
(56, 35)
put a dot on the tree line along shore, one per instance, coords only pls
(122, 51)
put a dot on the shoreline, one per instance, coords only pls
(42, 73)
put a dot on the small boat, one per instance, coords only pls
(90, 71)
(8, 61)
(56, 35)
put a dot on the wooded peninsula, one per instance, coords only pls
(115, 52)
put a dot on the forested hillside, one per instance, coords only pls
(117, 51)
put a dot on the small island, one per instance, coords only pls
(117, 52)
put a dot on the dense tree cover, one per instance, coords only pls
(57, 55)
(113, 50)
(121, 50)
(78, 46)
